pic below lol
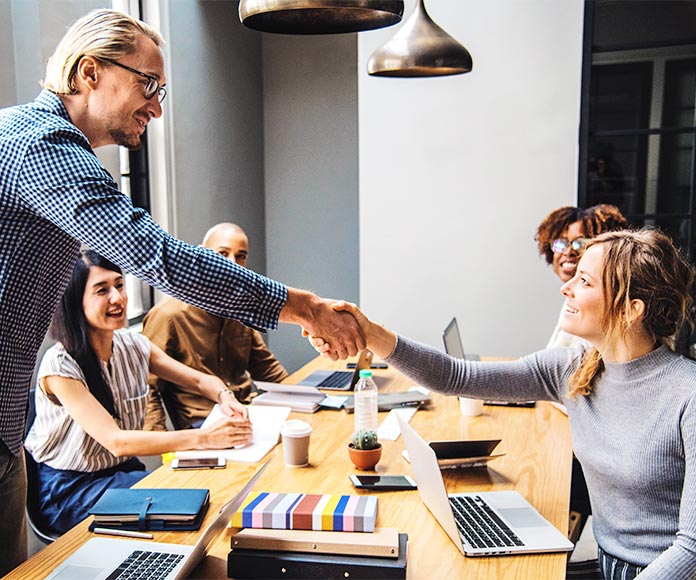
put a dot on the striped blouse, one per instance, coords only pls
(56, 439)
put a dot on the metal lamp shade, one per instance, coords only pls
(319, 16)
(420, 49)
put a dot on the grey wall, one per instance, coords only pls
(311, 168)
(276, 151)
(215, 95)
(29, 32)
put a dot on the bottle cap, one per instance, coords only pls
(364, 373)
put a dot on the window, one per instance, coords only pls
(639, 105)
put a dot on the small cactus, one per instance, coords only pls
(365, 439)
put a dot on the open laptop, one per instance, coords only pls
(453, 342)
(107, 558)
(339, 380)
(492, 523)
(453, 347)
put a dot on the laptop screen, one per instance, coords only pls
(452, 340)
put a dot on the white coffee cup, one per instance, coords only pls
(470, 407)
(295, 435)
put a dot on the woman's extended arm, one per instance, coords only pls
(87, 412)
(209, 386)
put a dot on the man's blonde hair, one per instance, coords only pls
(105, 34)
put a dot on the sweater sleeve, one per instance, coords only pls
(540, 376)
(679, 560)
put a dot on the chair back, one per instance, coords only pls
(32, 507)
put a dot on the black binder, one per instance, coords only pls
(244, 563)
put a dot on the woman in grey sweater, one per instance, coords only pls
(631, 399)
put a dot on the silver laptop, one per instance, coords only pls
(339, 380)
(453, 347)
(492, 523)
(453, 342)
(102, 558)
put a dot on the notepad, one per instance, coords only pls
(266, 423)
(300, 511)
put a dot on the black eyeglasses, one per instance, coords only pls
(152, 87)
(561, 245)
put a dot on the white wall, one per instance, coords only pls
(457, 172)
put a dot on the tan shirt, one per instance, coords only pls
(208, 343)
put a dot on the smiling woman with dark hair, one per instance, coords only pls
(91, 399)
(562, 236)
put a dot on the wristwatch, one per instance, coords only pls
(219, 395)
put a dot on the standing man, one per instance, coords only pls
(103, 84)
(208, 343)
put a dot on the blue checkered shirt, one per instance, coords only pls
(54, 195)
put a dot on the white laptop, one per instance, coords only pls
(492, 523)
(110, 558)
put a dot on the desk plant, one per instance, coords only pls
(364, 449)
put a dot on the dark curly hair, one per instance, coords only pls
(595, 220)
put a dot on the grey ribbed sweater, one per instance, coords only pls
(635, 437)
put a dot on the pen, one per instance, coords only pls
(126, 533)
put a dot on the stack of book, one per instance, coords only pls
(299, 398)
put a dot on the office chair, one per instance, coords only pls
(32, 507)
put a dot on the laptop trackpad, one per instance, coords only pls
(522, 517)
(71, 572)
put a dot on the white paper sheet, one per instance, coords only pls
(266, 423)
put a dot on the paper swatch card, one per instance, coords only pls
(307, 511)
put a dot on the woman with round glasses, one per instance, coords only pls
(562, 236)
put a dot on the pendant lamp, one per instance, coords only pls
(420, 49)
(319, 16)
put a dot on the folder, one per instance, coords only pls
(383, 542)
(151, 509)
(244, 563)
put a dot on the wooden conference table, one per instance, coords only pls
(537, 463)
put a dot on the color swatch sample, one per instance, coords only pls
(300, 511)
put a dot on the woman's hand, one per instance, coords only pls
(226, 433)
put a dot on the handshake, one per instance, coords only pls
(336, 329)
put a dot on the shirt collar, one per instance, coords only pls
(49, 101)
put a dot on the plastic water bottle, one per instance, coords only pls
(366, 402)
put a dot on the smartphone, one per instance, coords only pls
(374, 365)
(385, 482)
(201, 463)
(511, 403)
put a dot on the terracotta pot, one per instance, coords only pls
(365, 459)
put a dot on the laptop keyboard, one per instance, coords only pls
(336, 380)
(480, 525)
(146, 565)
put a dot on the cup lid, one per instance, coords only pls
(295, 428)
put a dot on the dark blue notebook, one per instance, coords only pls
(151, 509)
